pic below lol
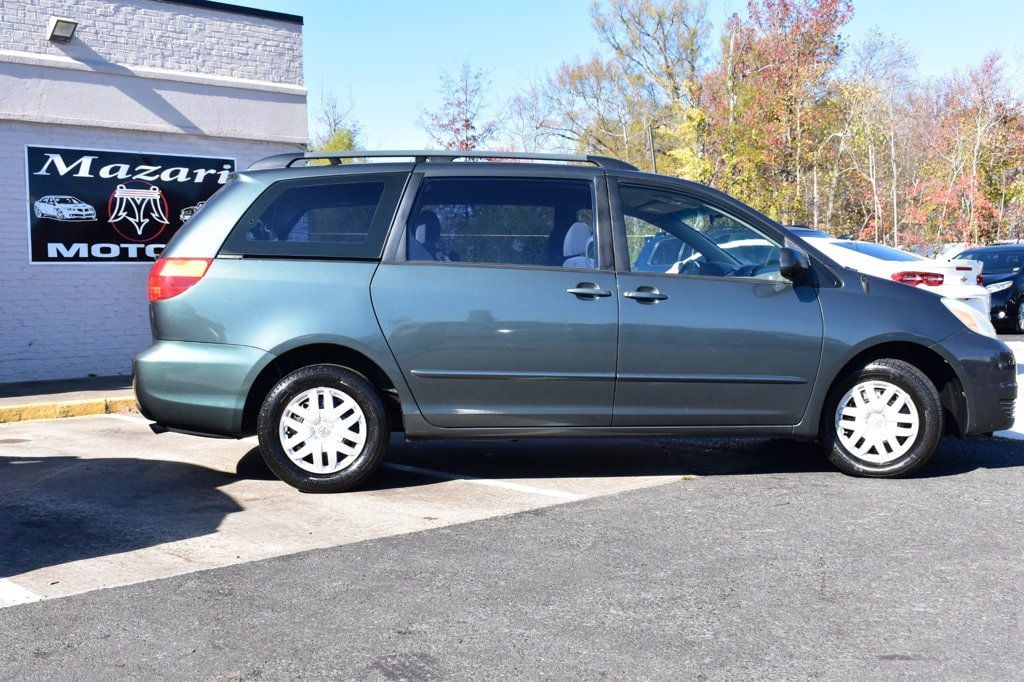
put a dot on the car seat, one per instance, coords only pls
(576, 247)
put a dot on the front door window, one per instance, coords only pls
(673, 233)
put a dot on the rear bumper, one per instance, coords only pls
(199, 387)
(988, 371)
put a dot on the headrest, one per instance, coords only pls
(428, 227)
(576, 240)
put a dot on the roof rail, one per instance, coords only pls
(425, 156)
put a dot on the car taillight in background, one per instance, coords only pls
(172, 276)
(930, 279)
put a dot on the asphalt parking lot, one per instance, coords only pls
(129, 555)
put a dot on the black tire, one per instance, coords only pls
(357, 468)
(925, 399)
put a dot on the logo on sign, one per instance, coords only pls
(138, 211)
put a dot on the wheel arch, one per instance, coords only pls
(321, 353)
(934, 366)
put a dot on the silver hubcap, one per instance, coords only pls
(877, 422)
(323, 430)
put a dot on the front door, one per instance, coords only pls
(716, 337)
(497, 309)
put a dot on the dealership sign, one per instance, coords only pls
(101, 206)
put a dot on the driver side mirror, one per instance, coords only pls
(793, 265)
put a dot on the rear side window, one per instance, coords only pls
(996, 261)
(345, 217)
(506, 221)
(879, 251)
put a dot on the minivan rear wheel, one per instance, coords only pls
(883, 420)
(323, 429)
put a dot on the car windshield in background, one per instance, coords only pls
(879, 251)
(996, 261)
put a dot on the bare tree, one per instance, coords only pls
(460, 120)
(338, 130)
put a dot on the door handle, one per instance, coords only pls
(588, 291)
(646, 295)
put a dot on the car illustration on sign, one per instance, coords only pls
(190, 211)
(63, 207)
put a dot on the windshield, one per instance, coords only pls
(879, 251)
(996, 261)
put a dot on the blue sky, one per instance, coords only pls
(387, 54)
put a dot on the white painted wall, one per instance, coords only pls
(140, 75)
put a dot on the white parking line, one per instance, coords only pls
(508, 485)
(13, 595)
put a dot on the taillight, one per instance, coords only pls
(930, 279)
(981, 280)
(172, 276)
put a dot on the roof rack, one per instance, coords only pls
(426, 156)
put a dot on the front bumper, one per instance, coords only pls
(1005, 309)
(987, 370)
(198, 387)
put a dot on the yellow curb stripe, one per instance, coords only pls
(68, 408)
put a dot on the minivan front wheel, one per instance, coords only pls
(883, 421)
(323, 429)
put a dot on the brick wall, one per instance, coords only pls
(75, 319)
(160, 35)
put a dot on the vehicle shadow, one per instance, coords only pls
(593, 457)
(252, 467)
(60, 509)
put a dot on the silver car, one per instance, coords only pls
(63, 207)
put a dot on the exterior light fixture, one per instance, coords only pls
(61, 30)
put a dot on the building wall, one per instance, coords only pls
(143, 76)
(162, 35)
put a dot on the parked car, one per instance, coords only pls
(666, 253)
(324, 307)
(63, 207)
(1004, 279)
(186, 213)
(961, 281)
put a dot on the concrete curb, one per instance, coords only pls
(68, 408)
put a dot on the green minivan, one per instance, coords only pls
(498, 294)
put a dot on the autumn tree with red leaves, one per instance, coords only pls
(459, 122)
(791, 118)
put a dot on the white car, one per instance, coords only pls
(746, 251)
(960, 280)
(63, 207)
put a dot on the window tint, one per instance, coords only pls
(504, 221)
(339, 217)
(674, 233)
(319, 213)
